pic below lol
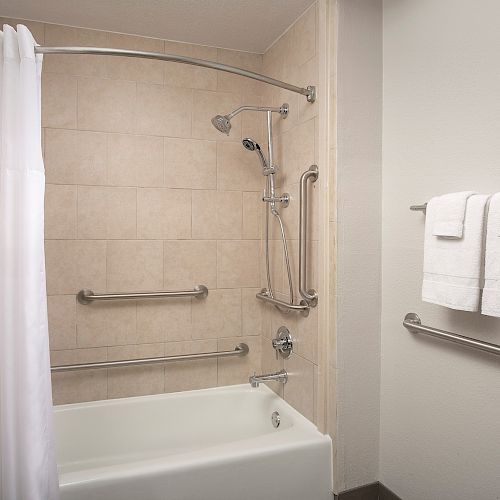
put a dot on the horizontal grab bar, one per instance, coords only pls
(87, 296)
(413, 324)
(239, 350)
(303, 307)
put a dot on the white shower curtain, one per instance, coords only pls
(27, 462)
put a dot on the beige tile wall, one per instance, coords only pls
(144, 194)
(294, 58)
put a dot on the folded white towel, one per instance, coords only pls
(450, 214)
(491, 293)
(452, 267)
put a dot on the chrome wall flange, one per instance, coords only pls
(284, 110)
(82, 296)
(311, 96)
(203, 289)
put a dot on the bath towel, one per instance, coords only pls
(491, 293)
(450, 214)
(452, 267)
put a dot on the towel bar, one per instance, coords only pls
(413, 324)
(239, 350)
(419, 208)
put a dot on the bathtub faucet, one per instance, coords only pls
(281, 376)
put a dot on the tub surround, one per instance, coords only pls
(144, 194)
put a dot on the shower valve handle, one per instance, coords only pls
(283, 343)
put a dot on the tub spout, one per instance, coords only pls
(281, 376)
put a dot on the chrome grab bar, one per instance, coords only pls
(309, 92)
(413, 324)
(239, 350)
(303, 307)
(311, 295)
(87, 296)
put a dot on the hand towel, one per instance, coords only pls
(452, 267)
(450, 214)
(491, 293)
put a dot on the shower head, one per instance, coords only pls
(222, 123)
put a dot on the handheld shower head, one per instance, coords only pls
(250, 144)
(222, 123)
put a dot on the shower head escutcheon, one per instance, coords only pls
(223, 122)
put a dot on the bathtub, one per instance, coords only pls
(211, 444)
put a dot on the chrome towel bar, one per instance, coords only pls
(413, 324)
(87, 296)
(311, 295)
(303, 307)
(239, 350)
(419, 208)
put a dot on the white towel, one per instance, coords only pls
(491, 292)
(450, 214)
(452, 267)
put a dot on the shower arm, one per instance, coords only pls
(283, 110)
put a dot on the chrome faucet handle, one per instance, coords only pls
(283, 343)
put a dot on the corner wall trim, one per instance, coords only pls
(373, 491)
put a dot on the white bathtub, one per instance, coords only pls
(213, 444)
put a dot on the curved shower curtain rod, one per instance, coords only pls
(309, 92)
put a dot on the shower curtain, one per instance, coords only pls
(27, 461)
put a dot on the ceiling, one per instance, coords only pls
(251, 25)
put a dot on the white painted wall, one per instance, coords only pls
(440, 404)
(359, 182)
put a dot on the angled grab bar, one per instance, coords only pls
(87, 296)
(303, 307)
(413, 324)
(311, 295)
(239, 350)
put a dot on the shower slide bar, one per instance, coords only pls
(413, 324)
(87, 296)
(311, 295)
(239, 350)
(309, 92)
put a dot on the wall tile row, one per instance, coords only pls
(71, 387)
(140, 265)
(224, 313)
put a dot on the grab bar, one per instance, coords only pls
(303, 307)
(413, 324)
(239, 350)
(87, 296)
(311, 295)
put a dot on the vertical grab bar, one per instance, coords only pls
(311, 295)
